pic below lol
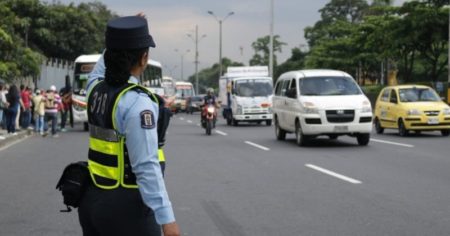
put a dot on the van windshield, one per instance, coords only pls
(82, 71)
(328, 86)
(418, 95)
(253, 88)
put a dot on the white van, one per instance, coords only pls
(311, 103)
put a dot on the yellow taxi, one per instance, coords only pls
(411, 108)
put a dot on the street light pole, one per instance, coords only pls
(196, 40)
(220, 21)
(271, 40)
(182, 60)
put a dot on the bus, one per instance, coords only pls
(184, 90)
(84, 64)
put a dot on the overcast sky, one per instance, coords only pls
(171, 20)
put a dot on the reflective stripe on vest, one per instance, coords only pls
(161, 156)
(107, 151)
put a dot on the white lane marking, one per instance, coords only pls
(198, 124)
(181, 118)
(189, 121)
(221, 133)
(257, 145)
(14, 142)
(392, 143)
(334, 174)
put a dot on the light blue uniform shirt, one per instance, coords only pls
(142, 145)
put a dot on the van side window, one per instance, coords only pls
(285, 88)
(278, 88)
(393, 97)
(293, 84)
(385, 96)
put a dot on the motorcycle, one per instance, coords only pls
(209, 116)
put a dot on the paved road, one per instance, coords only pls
(241, 181)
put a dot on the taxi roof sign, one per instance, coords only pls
(240, 71)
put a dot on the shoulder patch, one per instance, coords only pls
(147, 119)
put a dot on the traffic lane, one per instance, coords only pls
(288, 177)
(414, 176)
(29, 170)
(429, 163)
(431, 141)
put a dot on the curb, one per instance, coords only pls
(20, 135)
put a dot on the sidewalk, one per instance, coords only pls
(6, 139)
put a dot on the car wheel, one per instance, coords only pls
(279, 132)
(402, 131)
(268, 122)
(445, 132)
(363, 139)
(235, 122)
(378, 127)
(300, 138)
(86, 126)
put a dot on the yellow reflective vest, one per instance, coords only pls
(108, 161)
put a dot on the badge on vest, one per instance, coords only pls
(147, 119)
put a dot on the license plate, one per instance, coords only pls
(341, 128)
(433, 121)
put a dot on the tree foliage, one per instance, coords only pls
(208, 78)
(262, 53)
(357, 37)
(31, 30)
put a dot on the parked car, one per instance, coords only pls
(411, 108)
(311, 103)
(193, 103)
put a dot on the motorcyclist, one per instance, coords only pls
(209, 99)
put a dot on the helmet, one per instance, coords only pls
(210, 90)
(53, 88)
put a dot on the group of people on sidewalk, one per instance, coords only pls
(23, 108)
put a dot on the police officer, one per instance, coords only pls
(127, 195)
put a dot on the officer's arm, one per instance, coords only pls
(139, 117)
(97, 72)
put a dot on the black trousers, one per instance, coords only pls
(117, 212)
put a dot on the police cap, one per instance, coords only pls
(129, 32)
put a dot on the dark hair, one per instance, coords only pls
(13, 94)
(119, 62)
(22, 87)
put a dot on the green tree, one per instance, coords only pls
(295, 62)
(207, 78)
(351, 11)
(338, 52)
(262, 53)
(430, 24)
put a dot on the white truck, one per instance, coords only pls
(246, 95)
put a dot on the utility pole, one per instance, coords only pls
(182, 61)
(220, 21)
(196, 40)
(271, 39)
(448, 69)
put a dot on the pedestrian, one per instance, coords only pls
(39, 111)
(26, 107)
(66, 98)
(52, 101)
(13, 99)
(19, 112)
(127, 195)
(3, 106)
